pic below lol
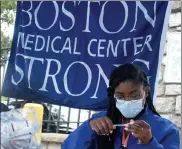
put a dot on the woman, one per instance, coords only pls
(130, 105)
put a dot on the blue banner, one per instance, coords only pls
(63, 52)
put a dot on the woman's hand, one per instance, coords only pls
(141, 130)
(102, 126)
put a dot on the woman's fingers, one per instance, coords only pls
(135, 135)
(134, 128)
(102, 125)
(142, 123)
(96, 129)
(110, 124)
(141, 130)
(107, 125)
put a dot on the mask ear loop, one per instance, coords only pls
(115, 98)
(144, 100)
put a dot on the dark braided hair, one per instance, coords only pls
(122, 73)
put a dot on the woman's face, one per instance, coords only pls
(129, 90)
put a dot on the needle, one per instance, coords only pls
(120, 125)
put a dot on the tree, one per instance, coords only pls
(8, 10)
(5, 47)
(5, 41)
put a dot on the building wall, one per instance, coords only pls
(168, 102)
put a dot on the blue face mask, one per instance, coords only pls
(130, 109)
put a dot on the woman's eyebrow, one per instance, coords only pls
(135, 91)
(117, 92)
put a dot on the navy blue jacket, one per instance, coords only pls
(165, 135)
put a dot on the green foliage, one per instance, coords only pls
(8, 9)
(5, 41)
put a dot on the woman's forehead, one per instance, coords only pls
(129, 86)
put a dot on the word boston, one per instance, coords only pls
(64, 52)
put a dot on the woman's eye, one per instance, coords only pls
(119, 97)
(135, 96)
